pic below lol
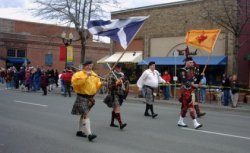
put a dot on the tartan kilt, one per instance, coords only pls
(149, 95)
(81, 106)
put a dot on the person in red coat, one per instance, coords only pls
(66, 78)
(166, 89)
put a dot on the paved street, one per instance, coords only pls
(32, 123)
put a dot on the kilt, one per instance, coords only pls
(113, 100)
(148, 91)
(118, 100)
(82, 105)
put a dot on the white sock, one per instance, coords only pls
(81, 124)
(87, 126)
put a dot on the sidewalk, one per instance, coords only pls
(133, 98)
(242, 107)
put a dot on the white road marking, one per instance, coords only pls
(23, 102)
(216, 133)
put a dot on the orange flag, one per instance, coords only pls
(203, 39)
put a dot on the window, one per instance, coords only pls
(11, 52)
(20, 53)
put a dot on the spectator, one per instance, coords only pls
(226, 89)
(234, 91)
(202, 90)
(167, 88)
(44, 83)
(56, 77)
(66, 77)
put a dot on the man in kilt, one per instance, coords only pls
(148, 84)
(86, 83)
(188, 78)
(117, 90)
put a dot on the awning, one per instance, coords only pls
(128, 57)
(201, 60)
(16, 60)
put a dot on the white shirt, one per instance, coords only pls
(150, 78)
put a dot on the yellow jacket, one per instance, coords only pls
(84, 84)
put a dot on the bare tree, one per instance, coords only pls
(233, 15)
(76, 12)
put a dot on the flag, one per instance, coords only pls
(119, 30)
(203, 39)
(63, 53)
(69, 54)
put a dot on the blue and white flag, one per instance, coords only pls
(119, 30)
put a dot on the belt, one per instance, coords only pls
(85, 96)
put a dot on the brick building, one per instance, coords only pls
(165, 30)
(40, 44)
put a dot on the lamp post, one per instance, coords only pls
(67, 41)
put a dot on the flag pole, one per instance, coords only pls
(208, 59)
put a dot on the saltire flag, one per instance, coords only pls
(63, 53)
(69, 54)
(203, 39)
(119, 30)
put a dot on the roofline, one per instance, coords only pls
(48, 24)
(155, 6)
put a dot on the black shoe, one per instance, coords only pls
(123, 126)
(91, 137)
(80, 134)
(182, 125)
(146, 114)
(201, 114)
(154, 115)
(113, 125)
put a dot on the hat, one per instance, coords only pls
(87, 62)
(151, 63)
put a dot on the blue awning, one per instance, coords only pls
(16, 60)
(201, 60)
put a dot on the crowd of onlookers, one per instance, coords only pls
(35, 78)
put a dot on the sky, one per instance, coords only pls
(17, 9)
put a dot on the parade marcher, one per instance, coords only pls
(86, 84)
(188, 79)
(148, 83)
(117, 91)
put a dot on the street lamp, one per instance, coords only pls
(67, 41)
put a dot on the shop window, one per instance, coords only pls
(21, 53)
(11, 52)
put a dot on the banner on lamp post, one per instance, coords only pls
(63, 53)
(69, 54)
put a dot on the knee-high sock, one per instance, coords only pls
(87, 128)
(112, 117)
(151, 107)
(147, 108)
(81, 124)
(118, 117)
